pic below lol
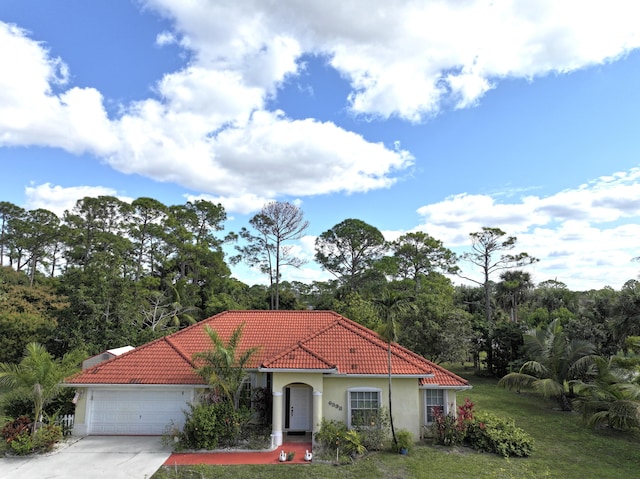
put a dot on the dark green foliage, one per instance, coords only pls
(404, 442)
(490, 433)
(262, 403)
(507, 347)
(213, 425)
(334, 435)
(374, 435)
(438, 328)
(348, 250)
(485, 432)
(330, 433)
(18, 435)
(46, 437)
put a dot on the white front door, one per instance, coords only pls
(299, 408)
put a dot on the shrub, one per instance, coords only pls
(46, 437)
(375, 434)
(405, 440)
(447, 429)
(352, 443)
(16, 403)
(490, 433)
(211, 425)
(18, 436)
(335, 436)
(450, 430)
(14, 428)
(22, 443)
(330, 433)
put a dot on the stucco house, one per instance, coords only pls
(317, 364)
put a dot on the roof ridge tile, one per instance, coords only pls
(179, 350)
(374, 338)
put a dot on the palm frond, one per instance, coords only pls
(517, 381)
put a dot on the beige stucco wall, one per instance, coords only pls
(81, 406)
(280, 380)
(405, 399)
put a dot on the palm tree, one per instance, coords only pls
(608, 395)
(222, 366)
(554, 361)
(511, 291)
(391, 306)
(39, 375)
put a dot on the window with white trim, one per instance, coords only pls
(363, 406)
(434, 398)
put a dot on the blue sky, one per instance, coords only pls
(440, 116)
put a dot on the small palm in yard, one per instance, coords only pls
(609, 395)
(39, 375)
(223, 366)
(554, 361)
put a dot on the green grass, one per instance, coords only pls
(564, 448)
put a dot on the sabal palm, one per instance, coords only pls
(553, 361)
(391, 306)
(223, 367)
(609, 395)
(39, 375)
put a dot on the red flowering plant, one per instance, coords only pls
(452, 430)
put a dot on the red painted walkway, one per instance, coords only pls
(249, 457)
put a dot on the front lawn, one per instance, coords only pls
(564, 448)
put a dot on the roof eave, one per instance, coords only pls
(384, 376)
(297, 370)
(132, 385)
(444, 386)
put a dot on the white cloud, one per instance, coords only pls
(243, 204)
(584, 230)
(209, 128)
(34, 112)
(57, 198)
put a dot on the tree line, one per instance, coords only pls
(109, 273)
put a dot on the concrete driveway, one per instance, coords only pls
(92, 457)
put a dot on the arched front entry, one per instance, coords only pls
(297, 409)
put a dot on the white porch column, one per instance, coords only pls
(276, 420)
(317, 411)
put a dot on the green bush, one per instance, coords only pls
(213, 425)
(22, 443)
(15, 404)
(490, 433)
(375, 434)
(334, 435)
(405, 440)
(17, 434)
(47, 437)
(330, 433)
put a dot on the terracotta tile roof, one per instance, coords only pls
(316, 340)
(298, 357)
(444, 377)
(157, 362)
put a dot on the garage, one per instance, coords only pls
(139, 411)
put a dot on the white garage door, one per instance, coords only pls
(137, 411)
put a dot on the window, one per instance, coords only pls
(434, 398)
(245, 394)
(364, 404)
